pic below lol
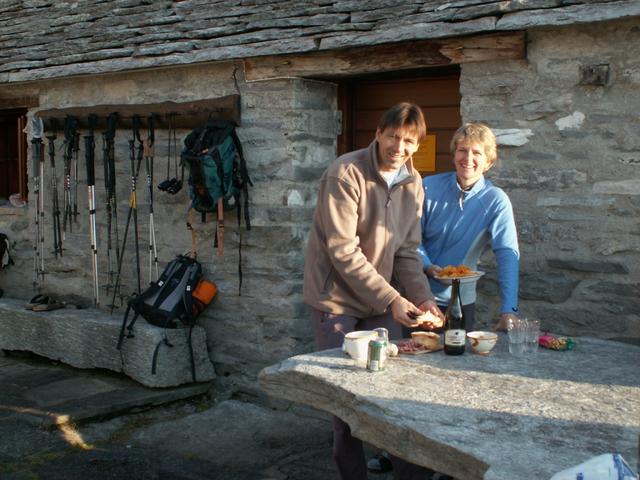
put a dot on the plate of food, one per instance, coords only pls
(460, 272)
(412, 347)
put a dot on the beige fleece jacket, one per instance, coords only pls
(364, 238)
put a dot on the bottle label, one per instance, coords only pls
(454, 338)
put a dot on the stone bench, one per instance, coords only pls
(87, 338)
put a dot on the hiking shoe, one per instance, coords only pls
(48, 304)
(379, 463)
(441, 476)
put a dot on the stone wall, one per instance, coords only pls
(572, 170)
(288, 132)
(570, 160)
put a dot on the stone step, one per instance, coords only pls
(87, 338)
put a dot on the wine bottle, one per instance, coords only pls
(454, 329)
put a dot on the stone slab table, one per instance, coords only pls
(494, 417)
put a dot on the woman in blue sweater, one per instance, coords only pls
(464, 213)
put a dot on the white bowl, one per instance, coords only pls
(482, 342)
(356, 344)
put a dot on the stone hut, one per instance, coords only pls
(558, 81)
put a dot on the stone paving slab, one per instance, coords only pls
(44, 393)
(197, 438)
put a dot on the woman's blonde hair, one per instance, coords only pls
(477, 133)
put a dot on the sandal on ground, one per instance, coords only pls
(51, 304)
(37, 300)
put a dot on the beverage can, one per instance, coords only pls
(377, 355)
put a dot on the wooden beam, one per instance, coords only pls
(385, 58)
(187, 114)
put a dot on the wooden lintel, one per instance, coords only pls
(385, 58)
(185, 115)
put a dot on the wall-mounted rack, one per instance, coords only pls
(185, 115)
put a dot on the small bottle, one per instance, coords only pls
(454, 325)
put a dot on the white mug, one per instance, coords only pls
(356, 344)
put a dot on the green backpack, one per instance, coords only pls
(217, 169)
(218, 180)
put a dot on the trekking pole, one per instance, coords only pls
(57, 239)
(110, 186)
(140, 154)
(70, 124)
(105, 160)
(76, 151)
(89, 146)
(38, 175)
(132, 210)
(148, 157)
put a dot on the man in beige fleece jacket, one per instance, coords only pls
(362, 252)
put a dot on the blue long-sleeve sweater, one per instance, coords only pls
(458, 225)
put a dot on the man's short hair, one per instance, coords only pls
(405, 115)
(477, 133)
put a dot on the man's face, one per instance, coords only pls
(395, 147)
(470, 162)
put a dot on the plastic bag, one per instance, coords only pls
(610, 466)
(554, 342)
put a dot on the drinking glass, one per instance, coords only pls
(532, 336)
(517, 335)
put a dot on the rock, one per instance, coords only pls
(88, 339)
(588, 266)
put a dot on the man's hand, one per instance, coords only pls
(504, 321)
(434, 314)
(405, 312)
(432, 270)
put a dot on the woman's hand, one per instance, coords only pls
(505, 320)
(432, 270)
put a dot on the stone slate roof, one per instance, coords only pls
(41, 39)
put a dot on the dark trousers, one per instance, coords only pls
(348, 451)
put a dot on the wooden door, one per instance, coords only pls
(364, 101)
(13, 153)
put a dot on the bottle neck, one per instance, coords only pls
(454, 309)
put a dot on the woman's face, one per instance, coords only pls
(470, 162)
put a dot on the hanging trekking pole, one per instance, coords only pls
(109, 186)
(89, 147)
(133, 208)
(140, 154)
(70, 125)
(76, 151)
(57, 233)
(172, 185)
(38, 175)
(148, 159)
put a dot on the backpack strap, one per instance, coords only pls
(193, 363)
(246, 180)
(124, 322)
(220, 228)
(192, 252)
(187, 295)
(154, 362)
